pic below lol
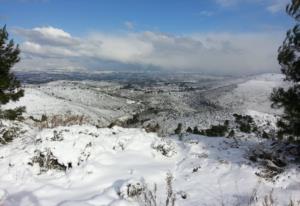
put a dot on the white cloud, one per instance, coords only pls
(129, 25)
(272, 6)
(206, 13)
(215, 53)
(47, 35)
(226, 2)
(277, 5)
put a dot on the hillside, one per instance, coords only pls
(72, 158)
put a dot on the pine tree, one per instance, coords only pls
(289, 60)
(9, 55)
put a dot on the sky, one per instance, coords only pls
(208, 36)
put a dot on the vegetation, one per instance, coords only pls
(59, 120)
(213, 131)
(149, 196)
(178, 130)
(12, 114)
(46, 161)
(289, 60)
(245, 123)
(8, 134)
(9, 56)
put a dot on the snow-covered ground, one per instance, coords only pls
(103, 162)
(253, 94)
(194, 103)
(64, 98)
(86, 165)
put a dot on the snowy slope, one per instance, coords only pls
(63, 98)
(253, 94)
(99, 165)
(208, 171)
(105, 102)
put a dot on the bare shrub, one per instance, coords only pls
(171, 197)
(46, 161)
(8, 134)
(269, 200)
(294, 203)
(61, 120)
(149, 196)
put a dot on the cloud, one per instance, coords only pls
(272, 6)
(129, 25)
(277, 5)
(226, 3)
(47, 36)
(205, 13)
(214, 53)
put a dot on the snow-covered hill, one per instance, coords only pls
(194, 103)
(253, 94)
(82, 162)
(64, 98)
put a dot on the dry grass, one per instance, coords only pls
(149, 196)
(61, 120)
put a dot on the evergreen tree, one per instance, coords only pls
(9, 55)
(289, 60)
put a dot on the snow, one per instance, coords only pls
(254, 94)
(64, 98)
(106, 166)
(104, 161)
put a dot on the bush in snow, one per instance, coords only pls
(231, 134)
(8, 134)
(171, 197)
(131, 189)
(12, 114)
(46, 161)
(189, 130)
(245, 123)
(178, 130)
(271, 162)
(215, 131)
(149, 196)
(196, 130)
(164, 147)
(57, 136)
(152, 128)
(43, 118)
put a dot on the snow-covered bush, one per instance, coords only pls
(164, 147)
(178, 130)
(149, 196)
(215, 131)
(271, 163)
(8, 134)
(131, 189)
(245, 123)
(57, 136)
(152, 128)
(12, 114)
(46, 161)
